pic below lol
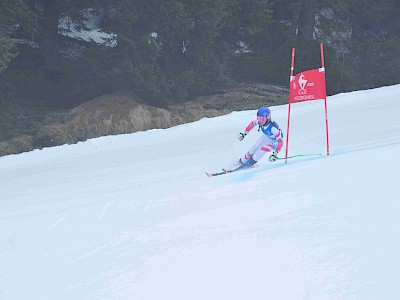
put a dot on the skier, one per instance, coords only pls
(270, 141)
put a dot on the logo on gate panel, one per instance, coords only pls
(302, 82)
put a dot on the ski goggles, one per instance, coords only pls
(262, 119)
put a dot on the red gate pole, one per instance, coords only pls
(326, 105)
(290, 105)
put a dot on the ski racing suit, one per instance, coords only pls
(270, 141)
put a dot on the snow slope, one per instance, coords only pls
(134, 216)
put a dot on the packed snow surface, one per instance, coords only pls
(135, 216)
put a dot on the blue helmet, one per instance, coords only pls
(263, 114)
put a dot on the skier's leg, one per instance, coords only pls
(256, 147)
(268, 146)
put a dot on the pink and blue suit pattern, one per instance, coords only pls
(270, 141)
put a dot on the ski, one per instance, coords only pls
(224, 171)
(215, 174)
(218, 173)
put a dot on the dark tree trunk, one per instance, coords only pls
(306, 20)
(31, 4)
(49, 38)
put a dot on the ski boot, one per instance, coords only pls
(247, 164)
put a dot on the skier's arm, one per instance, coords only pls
(246, 131)
(280, 145)
(250, 126)
(278, 136)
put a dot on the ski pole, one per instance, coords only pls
(300, 155)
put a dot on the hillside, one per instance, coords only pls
(26, 127)
(134, 216)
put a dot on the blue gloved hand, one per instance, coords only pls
(242, 135)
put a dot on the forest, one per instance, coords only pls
(171, 51)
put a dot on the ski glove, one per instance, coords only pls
(273, 157)
(242, 135)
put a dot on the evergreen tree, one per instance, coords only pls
(169, 51)
(364, 37)
(7, 53)
(51, 13)
(135, 57)
(203, 54)
(13, 14)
